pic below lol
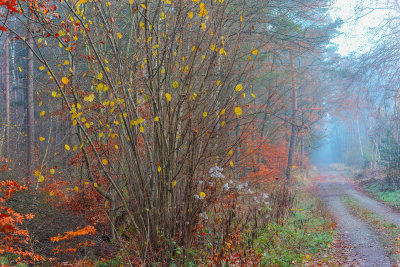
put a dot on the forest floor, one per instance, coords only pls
(369, 229)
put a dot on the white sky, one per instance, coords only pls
(355, 37)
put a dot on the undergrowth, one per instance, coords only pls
(306, 234)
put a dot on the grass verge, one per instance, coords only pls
(390, 197)
(304, 239)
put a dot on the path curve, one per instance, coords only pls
(367, 249)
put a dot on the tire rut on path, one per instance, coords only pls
(367, 249)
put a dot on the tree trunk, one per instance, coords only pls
(293, 120)
(7, 87)
(301, 151)
(30, 104)
(359, 140)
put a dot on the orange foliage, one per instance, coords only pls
(264, 160)
(90, 203)
(14, 240)
(66, 247)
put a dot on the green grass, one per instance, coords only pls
(5, 261)
(304, 235)
(391, 197)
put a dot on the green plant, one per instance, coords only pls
(305, 232)
(385, 193)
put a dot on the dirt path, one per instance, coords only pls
(366, 250)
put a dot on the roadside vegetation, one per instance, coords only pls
(305, 236)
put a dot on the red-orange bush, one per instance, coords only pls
(14, 238)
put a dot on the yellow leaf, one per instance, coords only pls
(238, 87)
(67, 147)
(203, 11)
(222, 112)
(41, 68)
(190, 15)
(95, 184)
(143, 5)
(238, 111)
(156, 118)
(41, 178)
(42, 113)
(80, 2)
(37, 173)
(76, 189)
(204, 114)
(66, 62)
(41, 139)
(52, 171)
(51, 193)
(141, 128)
(54, 94)
(175, 84)
(174, 183)
(119, 35)
(64, 80)
(202, 194)
(131, 2)
(231, 163)
(255, 52)
(100, 76)
(20, 70)
(230, 152)
(159, 169)
(40, 103)
(253, 95)
(104, 161)
(168, 96)
(89, 98)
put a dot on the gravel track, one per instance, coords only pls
(366, 248)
